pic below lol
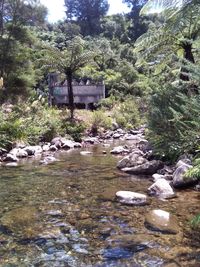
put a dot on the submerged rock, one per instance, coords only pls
(161, 221)
(148, 168)
(20, 218)
(161, 188)
(131, 198)
(48, 159)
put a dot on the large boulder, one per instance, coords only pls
(147, 168)
(178, 177)
(131, 198)
(134, 159)
(162, 189)
(161, 221)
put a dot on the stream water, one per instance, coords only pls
(65, 214)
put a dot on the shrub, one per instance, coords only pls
(30, 122)
(100, 120)
(174, 122)
(195, 223)
(127, 114)
(75, 129)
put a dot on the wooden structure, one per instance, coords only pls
(84, 93)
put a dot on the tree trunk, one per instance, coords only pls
(188, 55)
(70, 93)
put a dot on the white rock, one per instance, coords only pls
(162, 189)
(84, 153)
(131, 198)
(161, 221)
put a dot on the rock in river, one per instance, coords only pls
(119, 150)
(19, 218)
(178, 177)
(11, 158)
(147, 168)
(134, 159)
(131, 198)
(162, 189)
(161, 221)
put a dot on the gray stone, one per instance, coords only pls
(158, 176)
(14, 151)
(134, 159)
(178, 177)
(131, 198)
(161, 189)
(11, 158)
(33, 150)
(56, 140)
(119, 150)
(117, 135)
(53, 148)
(147, 168)
(3, 151)
(48, 159)
(46, 147)
(91, 140)
(77, 145)
(161, 221)
(68, 144)
(183, 162)
(22, 153)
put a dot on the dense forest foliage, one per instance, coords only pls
(149, 62)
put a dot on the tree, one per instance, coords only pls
(178, 32)
(15, 43)
(138, 25)
(87, 14)
(68, 61)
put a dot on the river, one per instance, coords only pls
(65, 214)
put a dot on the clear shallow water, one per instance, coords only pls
(64, 214)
